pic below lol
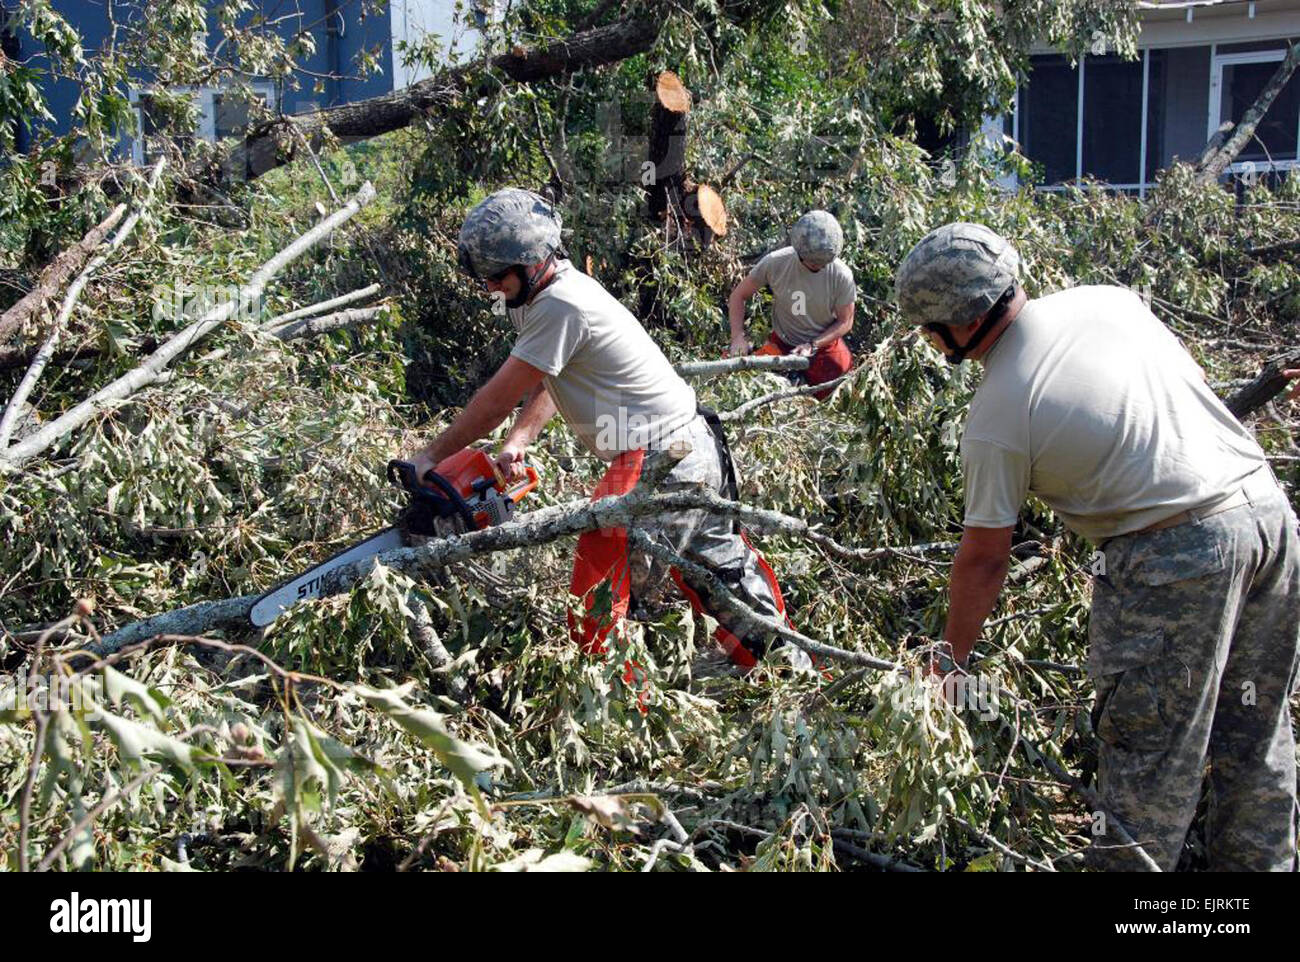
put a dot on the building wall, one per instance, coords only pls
(448, 24)
(339, 29)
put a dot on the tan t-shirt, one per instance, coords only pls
(1091, 404)
(803, 301)
(608, 378)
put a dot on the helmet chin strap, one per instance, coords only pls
(959, 352)
(527, 280)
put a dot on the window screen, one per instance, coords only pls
(1049, 117)
(1156, 114)
(1275, 137)
(1112, 119)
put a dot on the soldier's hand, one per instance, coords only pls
(423, 464)
(1295, 388)
(510, 462)
(740, 346)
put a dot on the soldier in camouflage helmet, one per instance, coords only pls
(1089, 403)
(580, 353)
(812, 300)
(817, 238)
(513, 231)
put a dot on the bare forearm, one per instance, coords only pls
(480, 418)
(972, 592)
(736, 314)
(832, 333)
(533, 416)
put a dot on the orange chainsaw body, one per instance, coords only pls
(490, 498)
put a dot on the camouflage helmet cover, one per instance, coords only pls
(511, 227)
(955, 274)
(817, 238)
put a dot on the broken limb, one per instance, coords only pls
(314, 326)
(58, 271)
(534, 528)
(742, 409)
(70, 299)
(320, 307)
(729, 365)
(154, 367)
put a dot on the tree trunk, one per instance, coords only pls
(669, 127)
(277, 142)
(57, 272)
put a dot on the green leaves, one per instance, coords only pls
(463, 759)
(136, 741)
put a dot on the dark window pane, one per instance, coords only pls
(1049, 117)
(1275, 137)
(1112, 119)
(233, 114)
(1156, 113)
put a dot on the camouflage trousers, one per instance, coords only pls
(714, 541)
(1194, 644)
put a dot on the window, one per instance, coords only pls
(1236, 80)
(222, 112)
(1112, 119)
(1049, 118)
(1159, 108)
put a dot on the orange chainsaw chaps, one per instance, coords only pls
(730, 644)
(602, 556)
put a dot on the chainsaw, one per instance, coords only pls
(466, 492)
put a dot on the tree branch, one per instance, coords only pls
(729, 365)
(46, 351)
(322, 306)
(1210, 168)
(313, 326)
(180, 343)
(57, 272)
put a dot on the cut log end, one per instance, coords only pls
(712, 211)
(672, 93)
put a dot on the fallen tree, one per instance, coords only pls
(156, 365)
(281, 140)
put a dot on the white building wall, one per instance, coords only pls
(450, 21)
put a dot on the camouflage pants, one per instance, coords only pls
(1194, 644)
(713, 541)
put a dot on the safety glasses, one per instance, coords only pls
(466, 263)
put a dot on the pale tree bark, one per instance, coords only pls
(155, 366)
(314, 326)
(57, 272)
(730, 365)
(320, 307)
(46, 352)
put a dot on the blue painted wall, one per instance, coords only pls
(341, 29)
